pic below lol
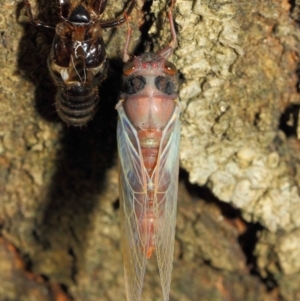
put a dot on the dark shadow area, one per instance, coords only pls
(148, 20)
(86, 154)
(247, 240)
(294, 10)
(292, 3)
(33, 51)
(204, 193)
(146, 41)
(289, 120)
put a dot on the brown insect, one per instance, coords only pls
(148, 143)
(77, 62)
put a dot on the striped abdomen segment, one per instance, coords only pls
(77, 105)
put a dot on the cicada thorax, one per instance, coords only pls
(77, 64)
(149, 101)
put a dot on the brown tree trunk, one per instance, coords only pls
(238, 223)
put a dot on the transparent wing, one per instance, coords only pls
(166, 183)
(133, 203)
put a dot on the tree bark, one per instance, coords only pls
(238, 222)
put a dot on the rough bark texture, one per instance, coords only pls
(238, 232)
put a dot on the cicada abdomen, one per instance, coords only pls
(148, 143)
(77, 62)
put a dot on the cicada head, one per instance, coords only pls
(150, 69)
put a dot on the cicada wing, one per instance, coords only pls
(166, 179)
(133, 202)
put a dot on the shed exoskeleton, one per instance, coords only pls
(78, 61)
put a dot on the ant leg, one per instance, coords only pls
(116, 22)
(126, 56)
(99, 6)
(34, 21)
(168, 50)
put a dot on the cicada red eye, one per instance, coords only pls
(170, 68)
(128, 68)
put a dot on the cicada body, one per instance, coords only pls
(77, 62)
(148, 136)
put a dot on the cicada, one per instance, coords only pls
(148, 135)
(77, 62)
